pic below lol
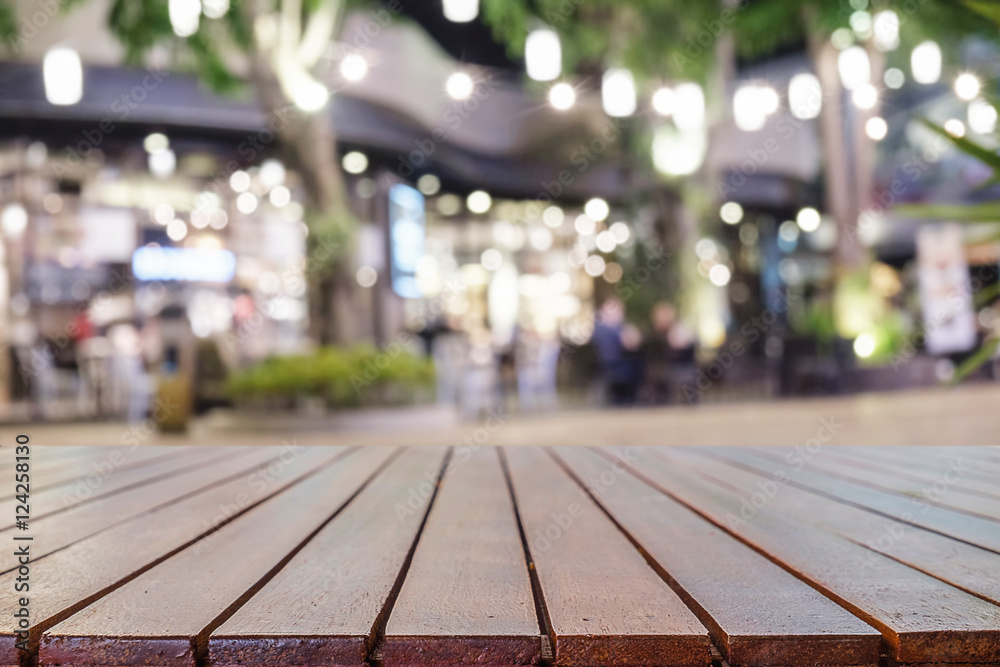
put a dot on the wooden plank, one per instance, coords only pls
(97, 462)
(164, 616)
(58, 531)
(922, 619)
(605, 604)
(113, 480)
(931, 458)
(943, 490)
(852, 456)
(962, 565)
(757, 613)
(66, 580)
(467, 596)
(917, 511)
(324, 607)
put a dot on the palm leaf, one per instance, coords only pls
(985, 155)
(965, 213)
(978, 358)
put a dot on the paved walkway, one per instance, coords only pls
(961, 416)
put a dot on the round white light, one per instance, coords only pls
(925, 62)
(479, 201)
(620, 231)
(597, 209)
(429, 184)
(719, 275)
(864, 345)
(162, 164)
(886, 30)
(543, 55)
(865, 96)
(540, 238)
(954, 127)
(594, 266)
(618, 92)
(854, 67)
(461, 11)
(689, 112)
(562, 96)
(459, 86)
(272, 173)
(789, 231)
(14, 220)
(842, 38)
(239, 181)
(805, 96)
(606, 241)
(584, 225)
(246, 203)
(215, 9)
(353, 67)
(155, 142)
(749, 110)
(731, 213)
(876, 128)
(491, 259)
(861, 24)
(184, 16)
(355, 162)
(553, 216)
(967, 86)
(982, 117)
(311, 96)
(280, 196)
(664, 101)
(163, 213)
(894, 78)
(706, 249)
(366, 276)
(176, 230)
(808, 219)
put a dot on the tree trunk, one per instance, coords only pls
(310, 146)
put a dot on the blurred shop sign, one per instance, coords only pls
(184, 264)
(945, 290)
(108, 235)
(406, 238)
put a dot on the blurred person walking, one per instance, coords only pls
(618, 345)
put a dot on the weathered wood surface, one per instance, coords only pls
(301, 557)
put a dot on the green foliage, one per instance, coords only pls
(8, 24)
(342, 377)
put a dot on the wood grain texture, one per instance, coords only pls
(605, 604)
(961, 565)
(104, 481)
(758, 614)
(67, 580)
(914, 510)
(323, 607)
(58, 531)
(873, 461)
(467, 597)
(921, 618)
(180, 598)
(943, 489)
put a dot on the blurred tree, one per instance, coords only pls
(275, 47)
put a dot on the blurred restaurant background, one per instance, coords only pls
(312, 207)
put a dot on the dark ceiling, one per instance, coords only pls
(467, 42)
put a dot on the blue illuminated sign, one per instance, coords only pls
(187, 264)
(406, 238)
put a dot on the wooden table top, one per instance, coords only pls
(195, 556)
